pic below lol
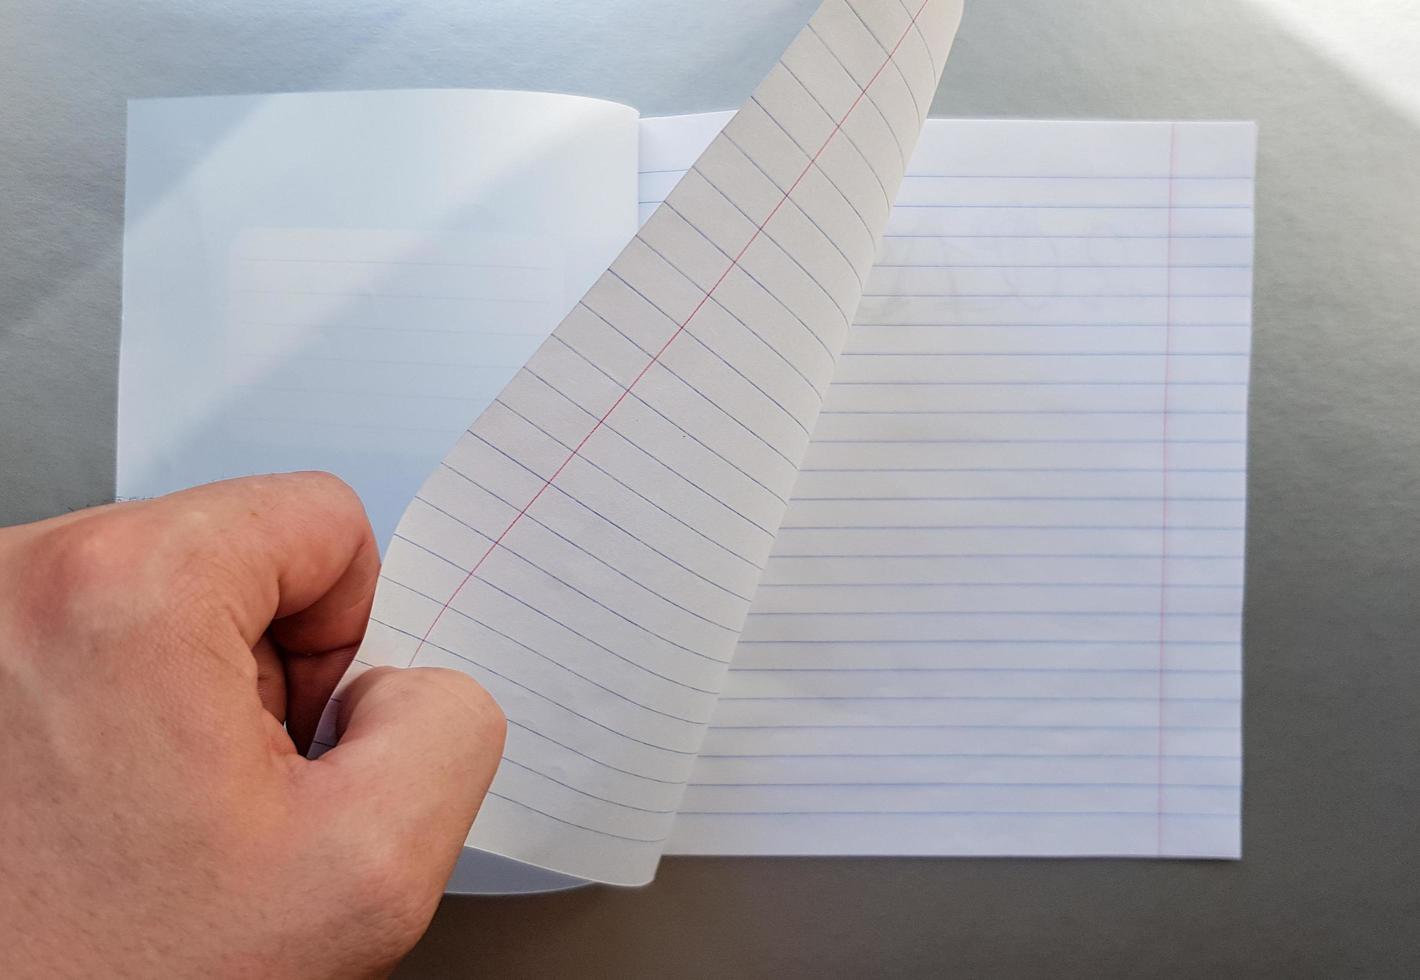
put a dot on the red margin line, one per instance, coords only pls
(655, 358)
(1164, 514)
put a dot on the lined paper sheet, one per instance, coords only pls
(341, 280)
(1002, 614)
(589, 549)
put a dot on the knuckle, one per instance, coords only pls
(317, 491)
(322, 499)
(328, 487)
(105, 574)
(83, 576)
(325, 482)
(78, 557)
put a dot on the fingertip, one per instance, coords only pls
(467, 712)
(486, 716)
(426, 741)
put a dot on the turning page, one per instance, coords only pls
(589, 549)
(882, 497)
(1002, 614)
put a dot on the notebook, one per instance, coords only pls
(828, 489)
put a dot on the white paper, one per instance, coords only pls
(342, 280)
(1003, 611)
(589, 549)
(996, 619)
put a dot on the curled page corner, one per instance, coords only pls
(589, 549)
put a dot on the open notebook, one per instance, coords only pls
(880, 497)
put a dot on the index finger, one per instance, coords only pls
(295, 548)
(289, 557)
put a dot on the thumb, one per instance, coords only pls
(417, 750)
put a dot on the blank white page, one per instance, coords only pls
(590, 547)
(341, 280)
(1002, 614)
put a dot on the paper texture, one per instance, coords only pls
(988, 538)
(1003, 611)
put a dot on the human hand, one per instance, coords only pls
(155, 817)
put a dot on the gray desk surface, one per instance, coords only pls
(1328, 886)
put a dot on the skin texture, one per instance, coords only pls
(156, 819)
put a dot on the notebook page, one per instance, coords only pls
(589, 548)
(669, 147)
(342, 280)
(1002, 614)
